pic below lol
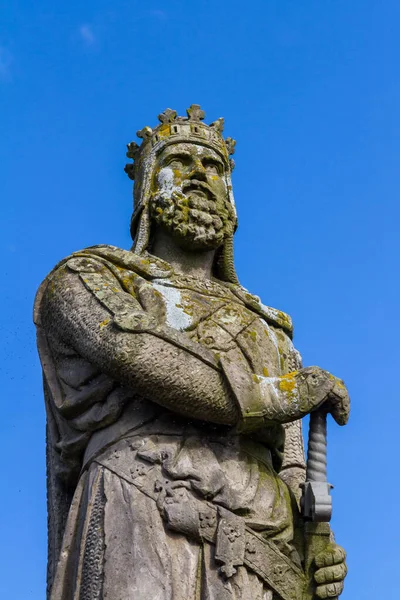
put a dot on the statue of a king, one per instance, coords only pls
(174, 400)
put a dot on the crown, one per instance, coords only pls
(174, 129)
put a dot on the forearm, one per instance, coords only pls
(176, 374)
(268, 400)
(107, 326)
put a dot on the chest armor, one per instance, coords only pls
(214, 317)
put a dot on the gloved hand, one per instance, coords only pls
(325, 391)
(331, 571)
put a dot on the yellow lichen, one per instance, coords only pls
(288, 382)
(163, 131)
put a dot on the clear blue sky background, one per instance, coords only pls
(311, 91)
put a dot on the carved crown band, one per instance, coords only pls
(174, 129)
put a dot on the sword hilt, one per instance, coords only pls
(316, 500)
(317, 446)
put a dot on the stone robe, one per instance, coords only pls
(131, 481)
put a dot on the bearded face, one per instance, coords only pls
(190, 199)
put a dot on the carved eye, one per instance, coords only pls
(212, 169)
(176, 163)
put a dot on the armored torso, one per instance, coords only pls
(224, 319)
(217, 318)
(115, 437)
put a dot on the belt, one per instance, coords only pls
(236, 544)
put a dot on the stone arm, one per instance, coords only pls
(107, 326)
(293, 469)
(125, 343)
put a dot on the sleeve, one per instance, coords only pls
(86, 308)
(293, 470)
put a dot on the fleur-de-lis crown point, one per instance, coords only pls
(167, 116)
(133, 149)
(230, 145)
(218, 125)
(145, 133)
(130, 169)
(195, 113)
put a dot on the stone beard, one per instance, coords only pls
(174, 401)
(192, 212)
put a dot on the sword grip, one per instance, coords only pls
(316, 502)
(316, 453)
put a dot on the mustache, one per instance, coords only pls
(196, 184)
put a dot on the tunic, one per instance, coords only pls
(146, 478)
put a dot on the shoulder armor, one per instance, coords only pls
(83, 265)
(94, 258)
(271, 315)
(145, 265)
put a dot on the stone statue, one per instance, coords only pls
(174, 400)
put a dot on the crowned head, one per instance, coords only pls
(182, 182)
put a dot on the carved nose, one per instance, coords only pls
(198, 171)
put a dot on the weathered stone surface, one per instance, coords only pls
(174, 401)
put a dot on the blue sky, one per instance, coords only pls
(311, 90)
